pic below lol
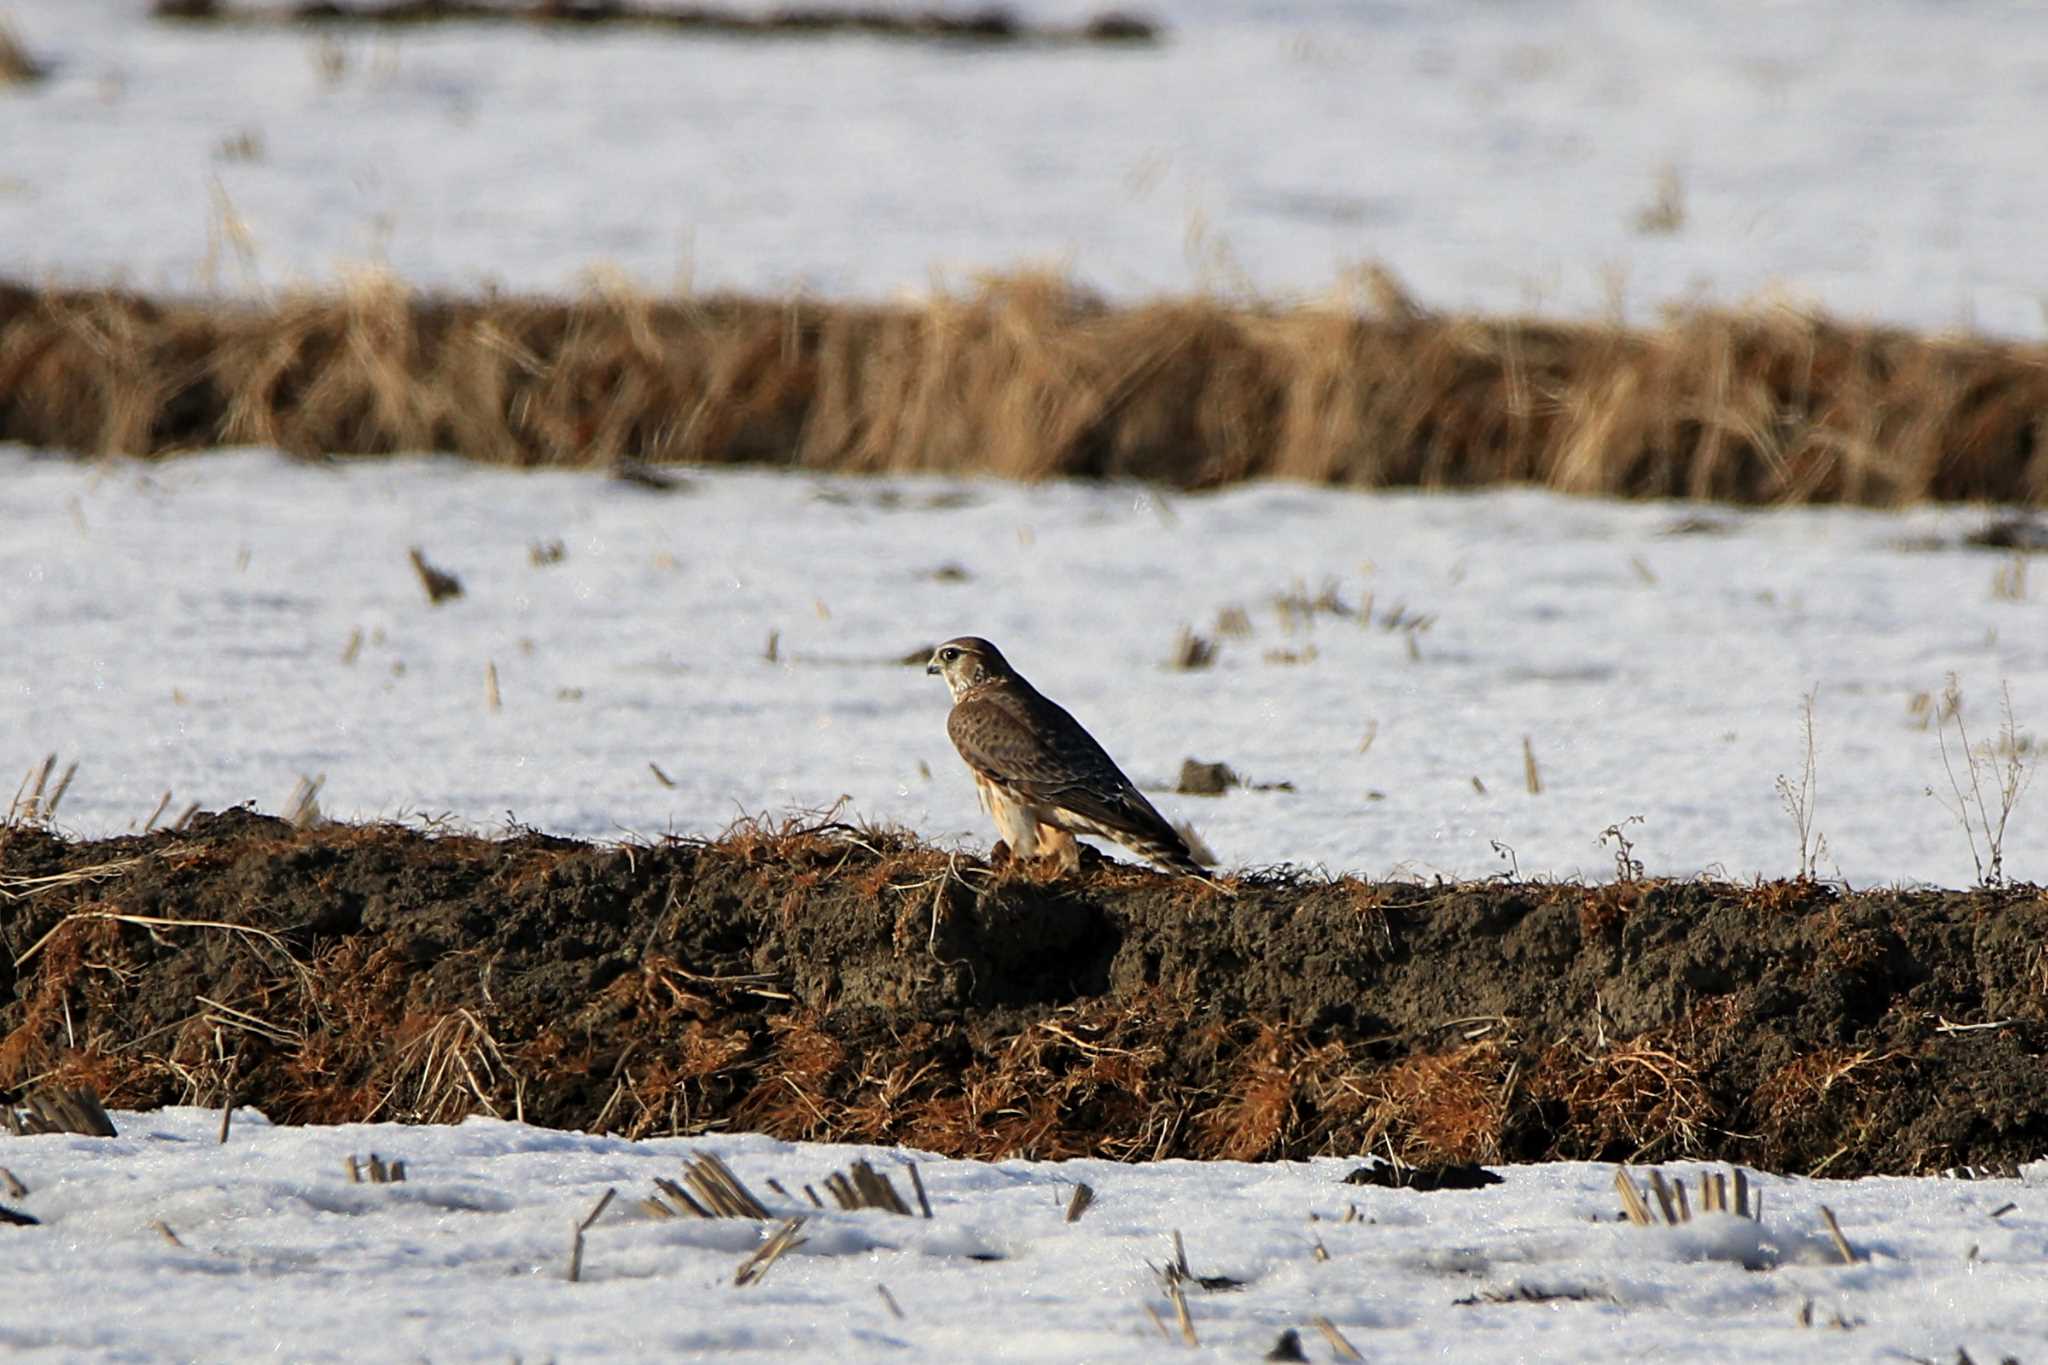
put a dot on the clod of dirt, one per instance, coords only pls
(1460, 1175)
(2011, 533)
(653, 478)
(823, 982)
(1213, 779)
(1288, 1347)
(1117, 27)
(1206, 779)
(1529, 1293)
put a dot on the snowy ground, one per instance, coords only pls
(1880, 159)
(182, 626)
(282, 1256)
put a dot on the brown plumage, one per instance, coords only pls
(1041, 775)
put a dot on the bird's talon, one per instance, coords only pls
(1049, 868)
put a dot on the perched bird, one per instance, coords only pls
(1041, 775)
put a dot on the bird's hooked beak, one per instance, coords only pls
(931, 668)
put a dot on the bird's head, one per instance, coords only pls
(967, 662)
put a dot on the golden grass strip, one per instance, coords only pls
(1031, 377)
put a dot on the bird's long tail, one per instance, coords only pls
(1169, 852)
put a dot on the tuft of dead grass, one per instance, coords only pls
(1028, 377)
(1821, 1101)
(447, 1067)
(1446, 1107)
(1633, 1100)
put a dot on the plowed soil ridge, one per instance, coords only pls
(827, 982)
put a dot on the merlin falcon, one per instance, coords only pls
(1041, 775)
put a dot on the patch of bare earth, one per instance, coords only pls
(833, 983)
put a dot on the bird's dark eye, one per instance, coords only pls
(949, 654)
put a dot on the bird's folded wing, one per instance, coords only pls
(1127, 811)
(1004, 746)
(1049, 759)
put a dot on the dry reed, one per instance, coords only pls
(1029, 378)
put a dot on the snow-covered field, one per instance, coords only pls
(183, 626)
(220, 625)
(467, 1260)
(1880, 159)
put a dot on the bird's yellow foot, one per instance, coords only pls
(1048, 867)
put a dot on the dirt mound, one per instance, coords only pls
(827, 982)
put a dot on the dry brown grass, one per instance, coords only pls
(1445, 1107)
(29, 1051)
(1028, 377)
(1821, 1094)
(1100, 1080)
(355, 995)
(1642, 1099)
